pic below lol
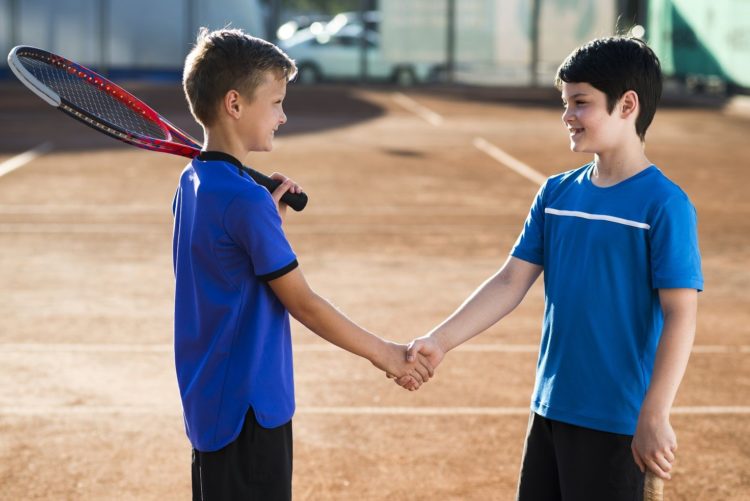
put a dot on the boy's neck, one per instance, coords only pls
(219, 140)
(614, 166)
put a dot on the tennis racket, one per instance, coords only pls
(653, 487)
(110, 109)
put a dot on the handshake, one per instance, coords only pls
(410, 365)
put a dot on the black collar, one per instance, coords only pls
(209, 156)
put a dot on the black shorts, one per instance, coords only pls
(256, 466)
(563, 462)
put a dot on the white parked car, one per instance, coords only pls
(333, 52)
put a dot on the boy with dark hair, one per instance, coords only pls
(618, 245)
(237, 276)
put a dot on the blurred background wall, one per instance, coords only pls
(704, 45)
(124, 38)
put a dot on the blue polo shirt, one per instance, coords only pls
(605, 253)
(231, 333)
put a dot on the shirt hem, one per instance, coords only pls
(220, 444)
(679, 284)
(528, 258)
(606, 425)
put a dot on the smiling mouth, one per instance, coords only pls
(573, 131)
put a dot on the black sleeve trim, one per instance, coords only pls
(278, 273)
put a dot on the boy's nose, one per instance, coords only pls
(282, 120)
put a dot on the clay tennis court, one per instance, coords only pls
(409, 212)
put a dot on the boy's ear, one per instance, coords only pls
(231, 103)
(628, 103)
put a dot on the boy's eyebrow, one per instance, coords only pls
(577, 94)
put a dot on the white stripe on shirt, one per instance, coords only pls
(602, 217)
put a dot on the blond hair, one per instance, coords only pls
(228, 59)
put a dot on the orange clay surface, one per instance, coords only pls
(405, 220)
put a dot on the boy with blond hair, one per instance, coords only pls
(236, 277)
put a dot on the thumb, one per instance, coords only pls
(412, 350)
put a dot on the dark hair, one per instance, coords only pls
(616, 65)
(228, 59)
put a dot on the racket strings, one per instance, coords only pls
(92, 99)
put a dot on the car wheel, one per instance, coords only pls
(405, 77)
(307, 74)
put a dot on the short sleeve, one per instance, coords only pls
(253, 222)
(673, 238)
(530, 243)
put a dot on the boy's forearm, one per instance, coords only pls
(322, 318)
(318, 315)
(671, 360)
(492, 301)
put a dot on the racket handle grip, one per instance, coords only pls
(296, 201)
(653, 488)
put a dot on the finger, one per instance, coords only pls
(281, 189)
(654, 467)
(411, 384)
(669, 455)
(295, 188)
(424, 362)
(423, 372)
(417, 376)
(638, 460)
(665, 465)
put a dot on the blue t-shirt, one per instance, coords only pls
(231, 333)
(605, 253)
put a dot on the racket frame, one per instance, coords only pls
(184, 145)
(177, 142)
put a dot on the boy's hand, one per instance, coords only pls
(654, 445)
(287, 184)
(428, 347)
(424, 348)
(392, 360)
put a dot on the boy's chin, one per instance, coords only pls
(261, 148)
(579, 148)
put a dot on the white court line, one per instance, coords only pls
(165, 210)
(158, 228)
(490, 411)
(174, 410)
(298, 347)
(102, 209)
(509, 161)
(86, 229)
(473, 228)
(421, 111)
(22, 159)
(84, 348)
